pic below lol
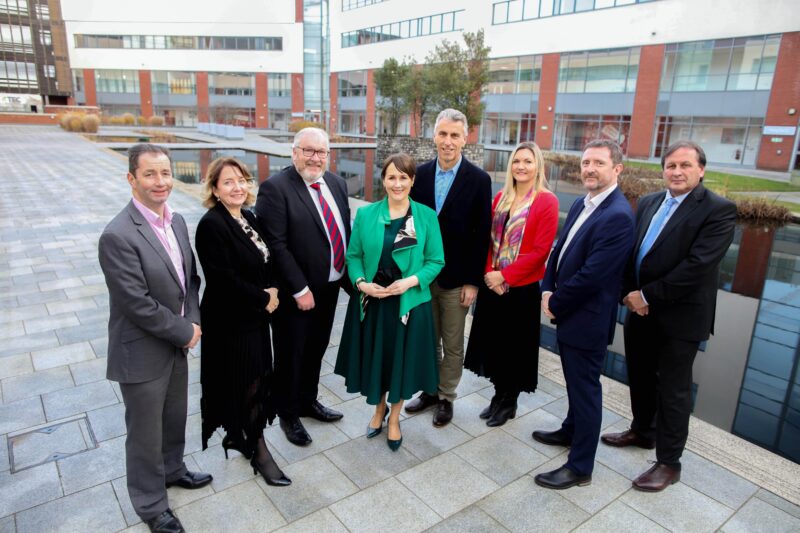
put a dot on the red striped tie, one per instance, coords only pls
(333, 230)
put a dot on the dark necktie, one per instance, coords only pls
(333, 230)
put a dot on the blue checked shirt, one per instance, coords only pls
(444, 180)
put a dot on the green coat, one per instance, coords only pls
(424, 259)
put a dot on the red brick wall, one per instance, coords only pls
(371, 102)
(298, 10)
(202, 97)
(27, 118)
(785, 94)
(89, 87)
(298, 98)
(545, 115)
(262, 101)
(648, 82)
(145, 93)
(333, 120)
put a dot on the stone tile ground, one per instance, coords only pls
(59, 191)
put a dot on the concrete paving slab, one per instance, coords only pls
(778, 502)
(522, 427)
(465, 414)
(21, 414)
(62, 355)
(425, 441)
(522, 506)
(370, 461)
(50, 323)
(357, 414)
(5, 464)
(95, 509)
(244, 507)
(323, 521)
(447, 483)
(14, 328)
(387, 506)
(84, 470)
(316, 483)
(679, 508)
(88, 371)
(43, 297)
(324, 435)
(757, 516)
(606, 486)
(49, 443)
(79, 399)
(108, 422)
(515, 461)
(7, 525)
(227, 473)
(80, 304)
(15, 365)
(28, 343)
(82, 332)
(619, 517)
(470, 519)
(34, 384)
(715, 481)
(28, 488)
(470, 383)
(335, 384)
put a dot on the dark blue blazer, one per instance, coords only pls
(465, 221)
(586, 284)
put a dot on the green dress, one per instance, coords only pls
(382, 354)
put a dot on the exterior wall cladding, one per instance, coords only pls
(559, 91)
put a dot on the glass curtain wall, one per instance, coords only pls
(515, 75)
(728, 140)
(572, 132)
(232, 84)
(599, 71)
(353, 83)
(316, 59)
(116, 81)
(165, 82)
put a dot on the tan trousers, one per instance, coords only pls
(448, 319)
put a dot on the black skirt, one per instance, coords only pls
(504, 339)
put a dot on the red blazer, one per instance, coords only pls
(540, 231)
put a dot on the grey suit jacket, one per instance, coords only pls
(145, 326)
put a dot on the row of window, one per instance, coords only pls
(181, 42)
(353, 83)
(515, 75)
(16, 39)
(127, 81)
(347, 5)
(18, 75)
(405, 29)
(518, 10)
(599, 71)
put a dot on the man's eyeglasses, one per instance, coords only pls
(309, 152)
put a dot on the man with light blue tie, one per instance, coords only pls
(461, 195)
(670, 289)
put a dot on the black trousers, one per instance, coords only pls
(300, 339)
(660, 376)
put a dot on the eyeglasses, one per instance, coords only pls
(309, 152)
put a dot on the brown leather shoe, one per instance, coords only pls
(658, 478)
(422, 402)
(627, 438)
(443, 414)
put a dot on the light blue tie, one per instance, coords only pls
(654, 230)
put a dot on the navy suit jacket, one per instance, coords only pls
(586, 284)
(465, 221)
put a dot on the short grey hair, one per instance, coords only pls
(453, 115)
(311, 131)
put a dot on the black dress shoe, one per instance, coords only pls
(443, 414)
(295, 432)
(191, 480)
(319, 412)
(487, 413)
(422, 402)
(166, 522)
(553, 438)
(506, 409)
(562, 478)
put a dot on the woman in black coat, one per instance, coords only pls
(236, 358)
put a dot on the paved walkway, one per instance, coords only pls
(62, 429)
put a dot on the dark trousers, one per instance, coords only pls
(660, 376)
(300, 339)
(582, 373)
(155, 416)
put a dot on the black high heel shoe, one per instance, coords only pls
(374, 432)
(240, 446)
(394, 445)
(279, 480)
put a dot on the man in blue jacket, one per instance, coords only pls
(580, 292)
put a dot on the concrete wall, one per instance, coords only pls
(420, 149)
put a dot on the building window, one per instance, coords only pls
(353, 83)
(515, 75)
(741, 64)
(14, 7)
(354, 122)
(232, 83)
(405, 29)
(572, 132)
(179, 42)
(18, 75)
(279, 85)
(518, 10)
(117, 81)
(174, 83)
(77, 80)
(599, 71)
(279, 120)
(15, 39)
(347, 5)
(727, 140)
(234, 116)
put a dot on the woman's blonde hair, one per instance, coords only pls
(212, 177)
(539, 181)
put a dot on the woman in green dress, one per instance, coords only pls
(395, 252)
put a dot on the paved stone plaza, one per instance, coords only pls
(62, 428)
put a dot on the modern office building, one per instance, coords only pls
(645, 73)
(34, 66)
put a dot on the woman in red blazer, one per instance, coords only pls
(504, 340)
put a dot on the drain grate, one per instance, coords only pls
(48, 443)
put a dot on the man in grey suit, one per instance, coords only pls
(154, 319)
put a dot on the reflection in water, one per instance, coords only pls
(161, 138)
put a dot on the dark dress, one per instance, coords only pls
(504, 339)
(382, 354)
(236, 357)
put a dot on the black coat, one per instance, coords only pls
(465, 221)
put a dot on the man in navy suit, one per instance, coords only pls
(580, 292)
(461, 195)
(670, 287)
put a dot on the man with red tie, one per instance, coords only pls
(303, 211)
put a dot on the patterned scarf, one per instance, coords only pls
(507, 232)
